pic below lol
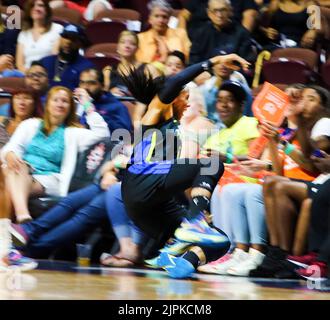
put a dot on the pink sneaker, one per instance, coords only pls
(210, 267)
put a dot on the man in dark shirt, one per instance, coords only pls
(194, 15)
(108, 106)
(64, 69)
(220, 34)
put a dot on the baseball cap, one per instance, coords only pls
(235, 88)
(73, 31)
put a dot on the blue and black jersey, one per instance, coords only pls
(157, 150)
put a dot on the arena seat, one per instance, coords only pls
(120, 13)
(104, 31)
(66, 15)
(103, 48)
(102, 60)
(292, 65)
(326, 74)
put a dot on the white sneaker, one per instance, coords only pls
(237, 257)
(252, 262)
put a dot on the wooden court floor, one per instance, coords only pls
(66, 281)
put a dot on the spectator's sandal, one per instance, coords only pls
(109, 260)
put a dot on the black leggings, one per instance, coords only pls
(156, 210)
(319, 232)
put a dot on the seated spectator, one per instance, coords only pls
(175, 62)
(239, 208)
(156, 43)
(9, 258)
(283, 196)
(68, 221)
(64, 69)
(90, 10)
(286, 25)
(36, 79)
(8, 39)
(44, 151)
(211, 87)
(220, 34)
(194, 128)
(39, 37)
(112, 110)
(315, 264)
(127, 46)
(194, 15)
(239, 131)
(24, 105)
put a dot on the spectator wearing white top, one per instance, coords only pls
(39, 37)
(41, 155)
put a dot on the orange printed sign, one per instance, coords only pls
(270, 105)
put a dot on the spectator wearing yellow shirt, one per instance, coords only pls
(239, 130)
(156, 43)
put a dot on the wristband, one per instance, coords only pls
(229, 158)
(207, 65)
(289, 149)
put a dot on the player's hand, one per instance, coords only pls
(231, 61)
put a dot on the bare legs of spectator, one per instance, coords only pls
(21, 186)
(269, 199)
(5, 239)
(281, 199)
(301, 235)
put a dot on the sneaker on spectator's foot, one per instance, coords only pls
(19, 236)
(270, 265)
(198, 231)
(287, 270)
(177, 267)
(17, 261)
(237, 257)
(317, 271)
(174, 248)
(305, 260)
(243, 269)
(209, 267)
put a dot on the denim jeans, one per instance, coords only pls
(122, 225)
(74, 215)
(239, 211)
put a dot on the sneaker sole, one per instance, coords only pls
(181, 270)
(313, 279)
(202, 239)
(24, 267)
(18, 239)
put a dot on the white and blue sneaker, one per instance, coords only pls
(174, 248)
(177, 267)
(198, 232)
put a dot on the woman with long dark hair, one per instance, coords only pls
(39, 37)
(155, 174)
